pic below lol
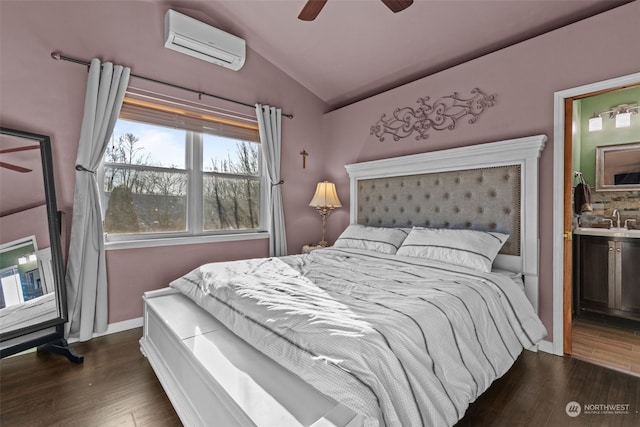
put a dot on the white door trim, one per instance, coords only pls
(558, 193)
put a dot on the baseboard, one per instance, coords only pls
(113, 328)
(546, 346)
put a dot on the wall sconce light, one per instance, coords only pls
(621, 113)
(325, 200)
(595, 123)
(623, 120)
(27, 258)
(24, 259)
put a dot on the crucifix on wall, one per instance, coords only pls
(304, 155)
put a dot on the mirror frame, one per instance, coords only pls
(53, 329)
(601, 151)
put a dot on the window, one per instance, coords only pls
(175, 172)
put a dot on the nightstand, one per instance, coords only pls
(309, 248)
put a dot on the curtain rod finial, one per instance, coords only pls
(56, 55)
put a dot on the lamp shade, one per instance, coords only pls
(325, 196)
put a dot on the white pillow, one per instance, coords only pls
(468, 248)
(379, 239)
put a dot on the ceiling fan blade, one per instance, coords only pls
(11, 150)
(14, 167)
(397, 5)
(311, 10)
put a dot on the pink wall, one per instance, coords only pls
(524, 78)
(30, 222)
(45, 96)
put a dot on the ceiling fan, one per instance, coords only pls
(313, 7)
(16, 167)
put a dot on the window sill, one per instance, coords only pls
(187, 240)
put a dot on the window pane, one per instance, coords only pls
(229, 155)
(154, 161)
(144, 144)
(231, 203)
(139, 201)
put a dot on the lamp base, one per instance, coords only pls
(323, 243)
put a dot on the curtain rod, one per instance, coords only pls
(58, 56)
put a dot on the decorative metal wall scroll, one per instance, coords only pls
(443, 114)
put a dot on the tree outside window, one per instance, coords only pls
(150, 178)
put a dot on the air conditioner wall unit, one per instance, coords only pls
(192, 37)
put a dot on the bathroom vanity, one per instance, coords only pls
(607, 271)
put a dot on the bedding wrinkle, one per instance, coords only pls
(496, 330)
(455, 339)
(404, 342)
(467, 320)
(401, 328)
(401, 325)
(457, 314)
(35, 310)
(534, 333)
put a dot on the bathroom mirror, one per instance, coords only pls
(618, 167)
(33, 306)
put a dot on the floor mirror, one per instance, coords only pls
(33, 306)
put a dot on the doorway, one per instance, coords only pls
(567, 108)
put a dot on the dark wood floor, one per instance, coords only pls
(537, 389)
(116, 387)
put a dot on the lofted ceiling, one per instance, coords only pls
(358, 48)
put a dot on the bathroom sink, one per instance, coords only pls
(607, 232)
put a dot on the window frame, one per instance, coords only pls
(194, 170)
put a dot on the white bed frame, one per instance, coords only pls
(213, 378)
(521, 151)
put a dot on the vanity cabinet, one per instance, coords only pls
(607, 275)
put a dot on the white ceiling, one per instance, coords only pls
(357, 48)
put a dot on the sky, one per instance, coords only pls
(166, 146)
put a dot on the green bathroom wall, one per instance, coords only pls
(585, 159)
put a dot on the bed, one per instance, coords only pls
(36, 310)
(427, 297)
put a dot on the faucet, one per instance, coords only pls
(616, 214)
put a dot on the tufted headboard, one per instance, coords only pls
(485, 199)
(489, 187)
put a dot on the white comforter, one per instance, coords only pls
(28, 313)
(403, 341)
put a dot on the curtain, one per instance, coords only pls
(270, 126)
(86, 277)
